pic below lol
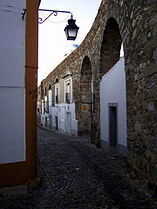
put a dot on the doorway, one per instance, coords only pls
(68, 122)
(56, 120)
(113, 126)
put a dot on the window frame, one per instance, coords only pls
(68, 81)
(57, 96)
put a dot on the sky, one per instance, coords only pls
(53, 45)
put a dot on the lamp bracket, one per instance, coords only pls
(53, 12)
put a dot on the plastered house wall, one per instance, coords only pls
(18, 141)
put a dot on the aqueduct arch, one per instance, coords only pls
(110, 47)
(85, 98)
(113, 127)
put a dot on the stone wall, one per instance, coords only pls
(133, 23)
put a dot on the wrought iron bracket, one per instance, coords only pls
(53, 12)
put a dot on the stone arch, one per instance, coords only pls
(110, 47)
(85, 97)
(113, 128)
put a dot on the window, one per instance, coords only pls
(45, 91)
(49, 86)
(68, 90)
(50, 98)
(42, 107)
(57, 93)
(46, 104)
(67, 94)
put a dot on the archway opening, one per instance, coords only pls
(113, 128)
(111, 45)
(85, 98)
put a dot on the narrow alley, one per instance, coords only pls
(77, 175)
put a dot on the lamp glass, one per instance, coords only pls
(72, 32)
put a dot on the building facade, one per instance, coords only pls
(56, 106)
(18, 83)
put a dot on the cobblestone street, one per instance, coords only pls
(77, 175)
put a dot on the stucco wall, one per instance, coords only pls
(113, 92)
(12, 81)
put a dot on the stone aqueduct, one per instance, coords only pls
(133, 23)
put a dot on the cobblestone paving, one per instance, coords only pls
(77, 175)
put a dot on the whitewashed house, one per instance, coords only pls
(18, 73)
(60, 116)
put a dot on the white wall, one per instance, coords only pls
(12, 81)
(113, 90)
(61, 111)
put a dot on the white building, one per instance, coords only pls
(61, 115)
(12, 82)
(18, 69)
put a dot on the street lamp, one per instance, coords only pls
(71, 29)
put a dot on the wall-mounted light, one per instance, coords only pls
(71, 29)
